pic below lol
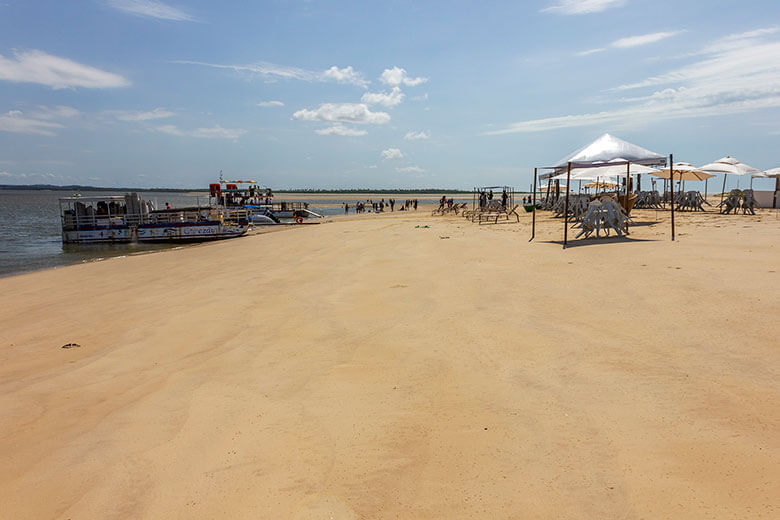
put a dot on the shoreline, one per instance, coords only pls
(374, 368)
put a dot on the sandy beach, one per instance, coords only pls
(371, 367)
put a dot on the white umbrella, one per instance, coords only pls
(728, 166)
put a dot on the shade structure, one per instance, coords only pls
(773, 173)
(684, 172)
(729, 166)
(608, 148)
(607, 172)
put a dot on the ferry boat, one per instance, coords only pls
(128, 218)
(260, 202)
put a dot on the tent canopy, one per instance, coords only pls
(601, 172)
(605, 149)
(774, 172)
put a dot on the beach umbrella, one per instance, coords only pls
(684, 171)
(728, 166)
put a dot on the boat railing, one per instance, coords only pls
(71, 221)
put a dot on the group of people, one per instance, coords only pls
(379, 206)
(486, 197)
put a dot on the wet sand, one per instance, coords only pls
(371, 368)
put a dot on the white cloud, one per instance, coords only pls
(216, 132)
(410, 169)
(39, 122)
(39, 177)
(388, 99)
(270, 104)
(343, 113)
(397, 76)
(633, 41)
(347, 75)
(157, 113)
(58, 112)
(342, 131)
(583, 6)
(728, 79)
(151, 9)
(273, 72)
(591, 51)
(644, 39)
(412, 136)
(38, 67)
(392, 153)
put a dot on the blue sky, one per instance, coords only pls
(318, 94)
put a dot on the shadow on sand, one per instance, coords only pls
(579, 242)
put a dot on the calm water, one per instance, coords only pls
(30, 233)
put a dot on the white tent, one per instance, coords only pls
(608, 148)
(774, 173)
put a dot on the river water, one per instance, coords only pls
(30, 231)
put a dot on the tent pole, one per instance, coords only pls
(671, 193)
(547, 196)
(533, 221)
(566, 208)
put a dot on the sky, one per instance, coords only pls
(396, 94)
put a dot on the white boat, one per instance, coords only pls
(128, 218)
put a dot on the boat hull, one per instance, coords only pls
(189, 231)
(117, 235)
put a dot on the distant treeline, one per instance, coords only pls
(78, 187)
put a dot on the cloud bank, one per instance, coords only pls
(735, 74)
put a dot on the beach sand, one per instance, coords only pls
(371, 368)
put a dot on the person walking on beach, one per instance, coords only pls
(346, 208)
(392, 204)
(415, 204)
(504, 197)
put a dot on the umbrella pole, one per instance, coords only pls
(566, 208)
(628, 181)
(705, 189)
(723, 191)
(533, 220)
(671, 183)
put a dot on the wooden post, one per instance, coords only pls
(671, 193)
(566, 208)
(533, 218)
